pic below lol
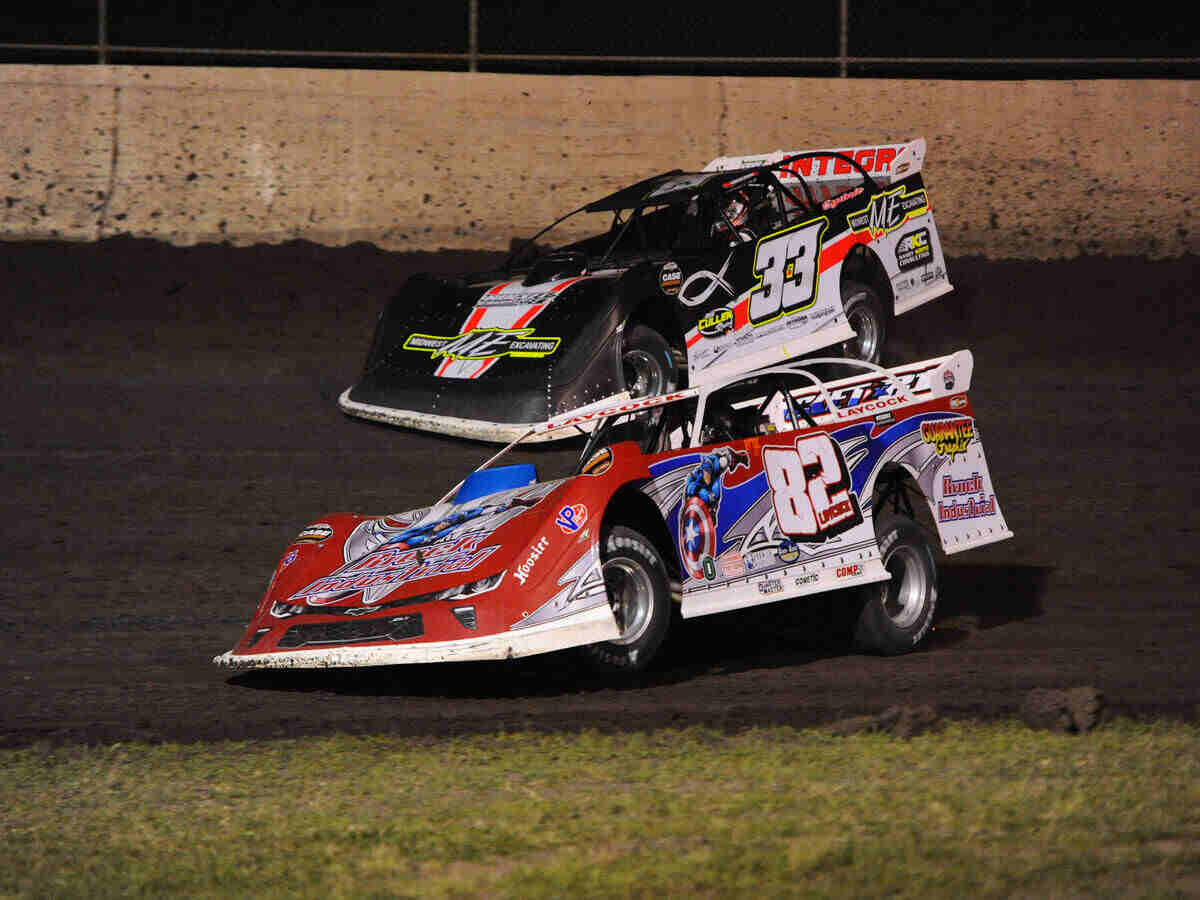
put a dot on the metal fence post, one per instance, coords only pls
(473, 35)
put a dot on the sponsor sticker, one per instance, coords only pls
(914, 249)
(600, 462)
(388, 568)
(716, 323)
(958, 402)
(289, 558)
(849, 571)
(770, 586)
(948, 379)
(521, 572)
(484, 343)
(571, 518)
(888, 211)
(803, 580)
(949, 438)
(314, 534)
(669, 278)
(733, 566)
(788, 551)
(835, 202)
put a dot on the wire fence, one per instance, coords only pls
(846, 38)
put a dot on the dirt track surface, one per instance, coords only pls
(171, 422)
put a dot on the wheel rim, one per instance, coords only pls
(631, 596)
(904, 596)
(643, 375)
(865, 344)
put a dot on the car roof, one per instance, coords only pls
(669, 187)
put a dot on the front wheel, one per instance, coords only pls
(647, 363)
(865, 316)
(639, 593)
(896, 614)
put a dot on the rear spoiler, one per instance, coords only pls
(883, 162)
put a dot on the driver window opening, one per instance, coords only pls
(758, 406)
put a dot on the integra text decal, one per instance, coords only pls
(888, 211)
(484, 343)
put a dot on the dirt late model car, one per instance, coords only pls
(756, 489)
(688, 278)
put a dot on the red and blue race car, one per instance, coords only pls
(749, 490)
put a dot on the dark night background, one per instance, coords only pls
(61, 31)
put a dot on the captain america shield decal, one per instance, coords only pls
(697, 536)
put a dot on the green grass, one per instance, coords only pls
(991, 810)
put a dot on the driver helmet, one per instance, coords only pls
(737, 209)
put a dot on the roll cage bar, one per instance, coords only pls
(637, 197)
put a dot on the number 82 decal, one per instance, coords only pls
(786, 266)
(810, 487)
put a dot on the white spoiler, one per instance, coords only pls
(884, 162)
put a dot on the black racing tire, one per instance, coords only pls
(640, 594)
(647, 363)
(866, 317)
(897, 614)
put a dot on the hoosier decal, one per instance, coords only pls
(484, 343)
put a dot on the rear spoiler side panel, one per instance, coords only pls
(885, 163)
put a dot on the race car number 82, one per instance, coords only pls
(786, 266)
(810, 488)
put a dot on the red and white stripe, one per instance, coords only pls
(506, 315)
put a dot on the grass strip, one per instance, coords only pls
(989, 810)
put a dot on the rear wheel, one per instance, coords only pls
(639, 593)
(865, 316)
(647, 363)
(896, 614)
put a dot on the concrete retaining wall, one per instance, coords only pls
(426, 160)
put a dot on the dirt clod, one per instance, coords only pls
(1073, 711)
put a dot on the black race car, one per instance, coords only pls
(687, 277)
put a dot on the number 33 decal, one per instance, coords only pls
(810, 487)
(786, 266)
